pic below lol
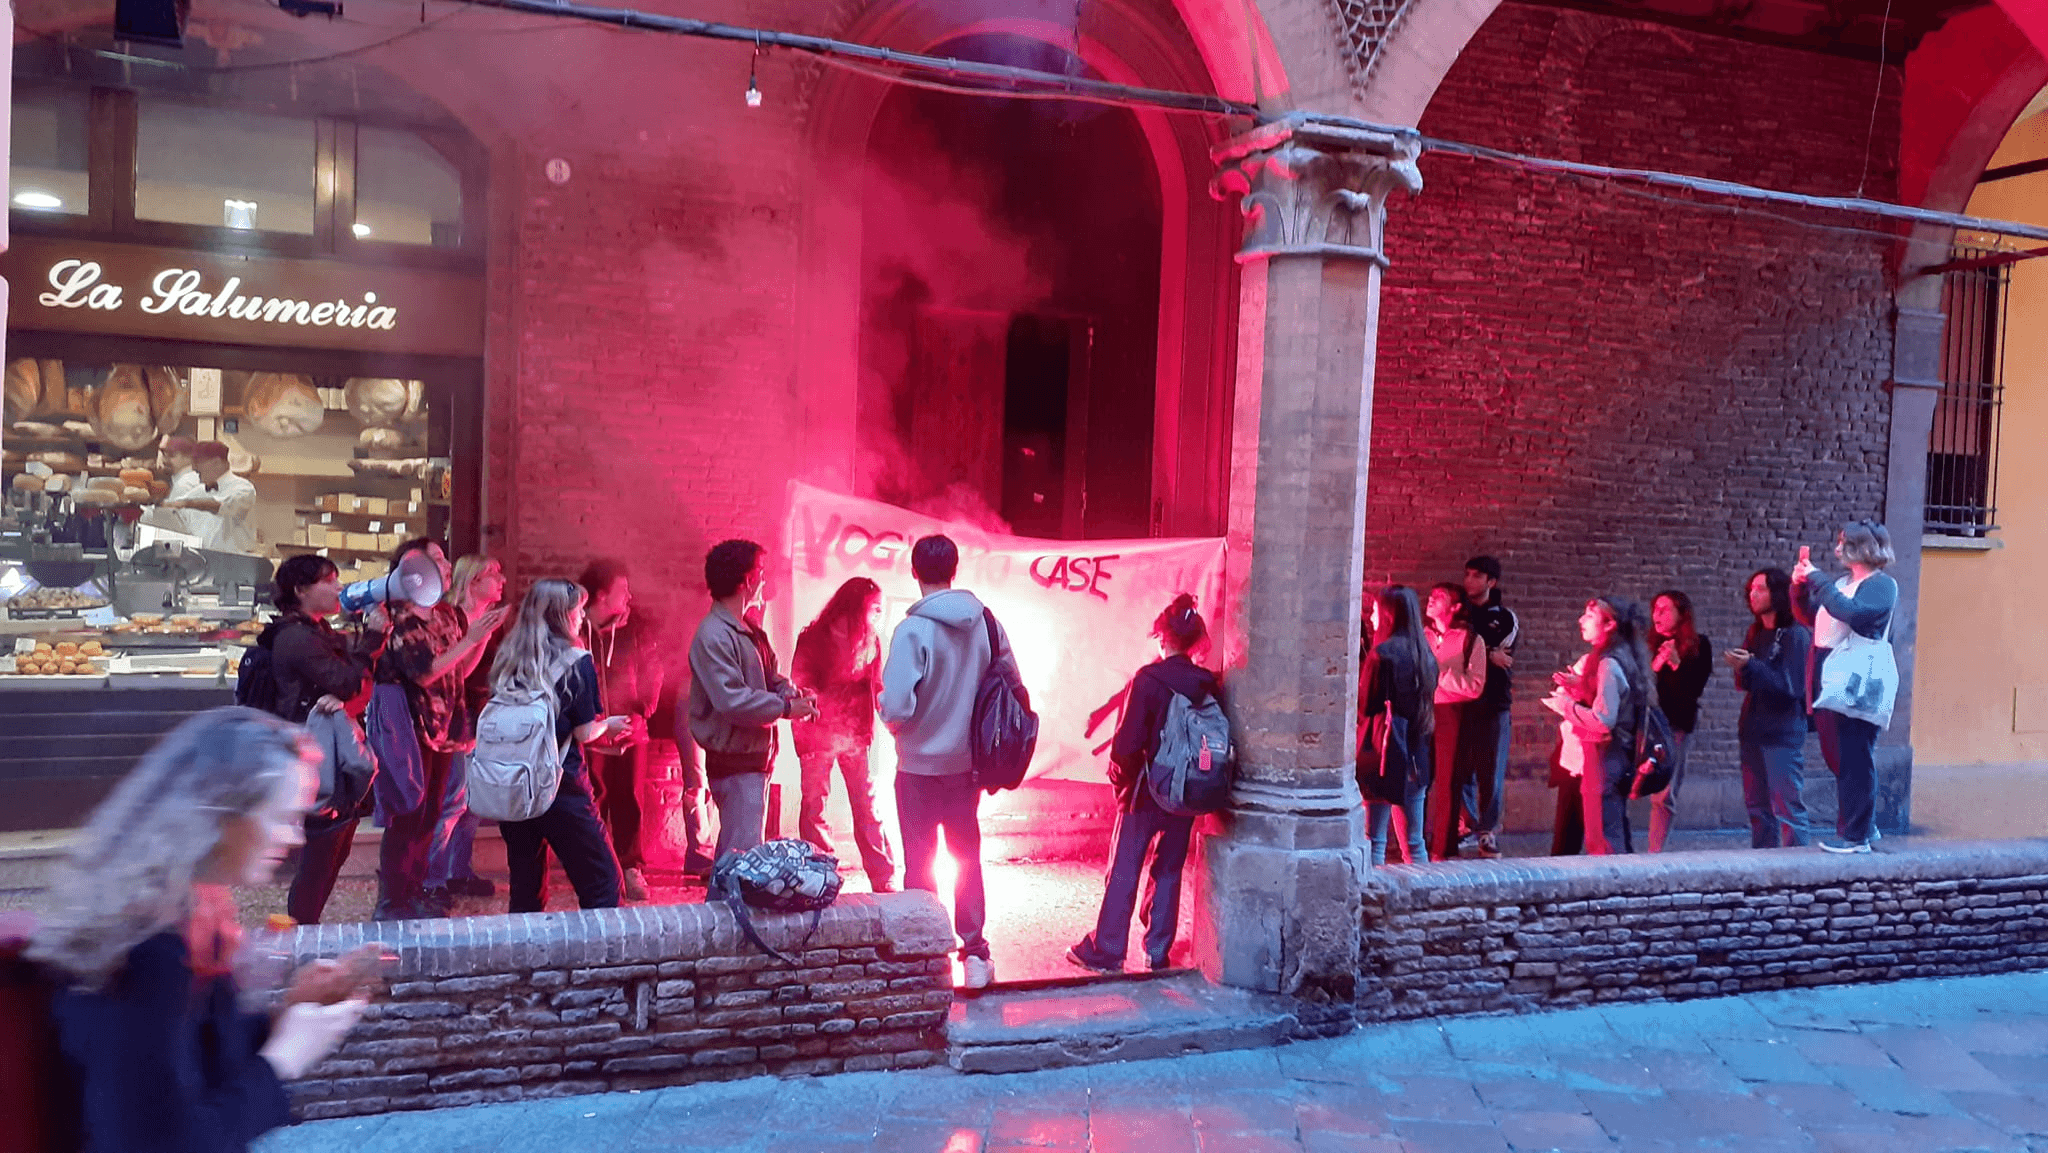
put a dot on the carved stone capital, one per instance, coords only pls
(1316, 188)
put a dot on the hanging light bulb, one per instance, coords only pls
(753, 87)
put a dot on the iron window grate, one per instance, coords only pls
(1962, 449)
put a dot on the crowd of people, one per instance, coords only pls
(1435, 684)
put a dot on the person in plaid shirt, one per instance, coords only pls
(430, 653)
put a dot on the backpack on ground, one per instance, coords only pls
(781, 876)
(1196, 762)
(1656, 755)
(1005, 730)
(256, 681)
(516, 768)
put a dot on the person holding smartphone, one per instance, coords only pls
(1770, 669)
(539, 654)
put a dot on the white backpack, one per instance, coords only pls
(516, 769)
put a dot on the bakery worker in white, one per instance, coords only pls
(177, 457)
(220, 509)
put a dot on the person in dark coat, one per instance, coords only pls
(1681, 662)
(1770, 669)
(1396, 722)
(316, 667)
(1141, 825)
(157, 1054)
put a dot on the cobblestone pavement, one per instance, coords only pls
(1915, 1067)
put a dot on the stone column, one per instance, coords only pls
(1280, 906)
(1915, 388)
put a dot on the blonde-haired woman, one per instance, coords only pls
(157, 1050)
(478, 586)
(540, 654)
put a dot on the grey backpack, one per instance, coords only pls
(1192, 772)
(516, 769)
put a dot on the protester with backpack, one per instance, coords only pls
(316, 668)
(1172, 693)
(156, 1053)
(1603, 700)
(451, 854)
(930, 686)
(1396, 722)
(541, 676)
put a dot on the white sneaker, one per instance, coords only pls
(980, 973)
(636, 885)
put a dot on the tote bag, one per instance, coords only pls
(1861, 678)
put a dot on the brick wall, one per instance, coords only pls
(553, 1004)
(1617, 394)
(1491, 937)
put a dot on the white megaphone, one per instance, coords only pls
(417, 579)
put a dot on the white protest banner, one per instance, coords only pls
(1078, 612)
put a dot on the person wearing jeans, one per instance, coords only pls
(936, 660)
(1486, 731)
(1770, 668)
(622, 646)
(1861, 602)
(1602, 702)
(737, 694)
(838, 661)
(1140, 822)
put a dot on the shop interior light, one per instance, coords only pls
(40, 200)
(360, 229)
(12, 580)
(238, 213)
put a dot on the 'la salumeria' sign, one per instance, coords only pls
(134, 290)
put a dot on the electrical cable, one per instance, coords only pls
(1876, 98)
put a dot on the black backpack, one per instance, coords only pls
(1656, 754)
(256, 682)
(1004, 732)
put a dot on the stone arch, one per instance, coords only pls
(1124, 42)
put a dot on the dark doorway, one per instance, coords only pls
(1045, 426)
(1010, 305)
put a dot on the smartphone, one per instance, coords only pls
(1805, 554)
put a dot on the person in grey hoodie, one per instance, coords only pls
(936, 660)
(737, 695)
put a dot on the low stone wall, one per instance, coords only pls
(552, 1004)
(1524, 935)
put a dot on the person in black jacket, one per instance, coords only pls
(1486, 729)
(1681, 661)
(1770, 668)
(1396, 723)
(1140, 821)
(316, 667)
(156, 1053)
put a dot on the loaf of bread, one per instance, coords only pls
(97, 496)
(133, 495)
(283, 404)
(58, 483)
(168, 399)
(27, 482)
(136, 477)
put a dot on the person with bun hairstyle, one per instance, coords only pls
(1603, 699)
(155, 1052)
(1861, 602)
(1141, 825)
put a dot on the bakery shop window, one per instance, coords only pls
(223, 167)
(407, 191)
(119, 457)
(47, 163)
